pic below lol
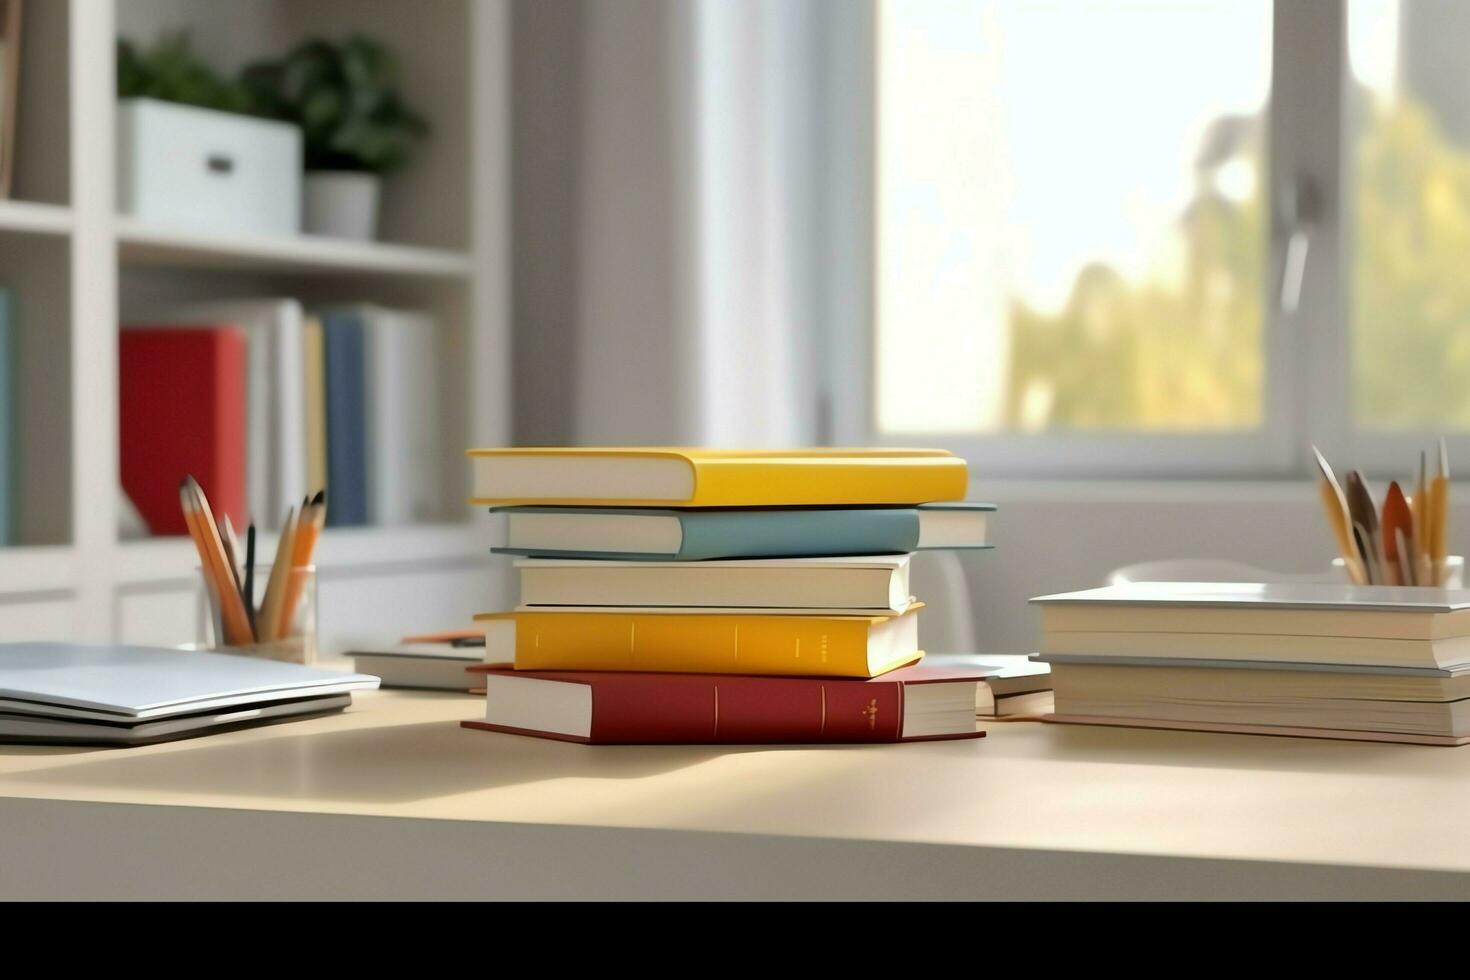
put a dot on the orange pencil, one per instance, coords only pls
(313, 516)
(235, 622)
(232, 606)
(234, 554)
(272, 605)
(206, 567)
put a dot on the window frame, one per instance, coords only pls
(1307, 385)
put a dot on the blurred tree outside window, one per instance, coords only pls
(1090, 252)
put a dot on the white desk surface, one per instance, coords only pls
(421, 807)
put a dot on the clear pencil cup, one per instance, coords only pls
(1451, 576)
(281, 627)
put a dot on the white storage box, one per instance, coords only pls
(206, 171)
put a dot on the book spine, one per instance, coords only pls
(643, 709)
(693, 643)
(816, 482)
(346, 420)
(288, 409)
(314, 382)
(880, 590)
(796, 533)
(182, 413)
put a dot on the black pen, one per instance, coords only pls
(248, 589)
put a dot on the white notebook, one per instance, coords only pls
(100, 683)
(36, 728)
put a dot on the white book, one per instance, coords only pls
(1298, 623)
(275, 393)
(1346, 599)
(868, 584)
(432, 666)
(401, 367)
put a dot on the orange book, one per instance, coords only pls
(704, 643)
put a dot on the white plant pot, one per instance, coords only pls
(342, 204)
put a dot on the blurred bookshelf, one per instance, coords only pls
(33, 218)
(72, 263)
(142, 246)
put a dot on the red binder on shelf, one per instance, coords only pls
(182, 412)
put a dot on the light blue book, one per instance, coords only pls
(646, 534)
(8, 461)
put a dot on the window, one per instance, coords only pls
(1108, 237)
(1410, 271)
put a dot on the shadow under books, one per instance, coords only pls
(1110, 745)
(393, 764)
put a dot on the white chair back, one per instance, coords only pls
(947, 623)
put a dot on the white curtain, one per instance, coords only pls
(708, 161)
(750, 207)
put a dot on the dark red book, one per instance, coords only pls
(182, 412)
(910, 704)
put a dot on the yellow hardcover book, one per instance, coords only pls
(641, 477)
(699, 643)
(314, 364)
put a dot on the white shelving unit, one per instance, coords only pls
(73, 263)
(141, 246)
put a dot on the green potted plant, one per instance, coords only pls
(355, 125)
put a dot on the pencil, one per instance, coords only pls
(232, 607)
(233, 552)
(206, 567)
(313, 516)
(1419, 543)
(1440, 529)
(1335, 504)
(1398, 527)
(1362, 537)
(235, 623)
(269, 620)
(1362, 510)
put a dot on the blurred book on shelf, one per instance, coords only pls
(344, 397)
(275, 466)
(10, 58)
(182, 396)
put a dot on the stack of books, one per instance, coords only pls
(722, 596)
(1381, 663)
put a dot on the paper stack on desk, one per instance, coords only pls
(1381, 663)
(117, 695)
(722, 596)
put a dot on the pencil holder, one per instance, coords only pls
(294, 638)
(1454, 571)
